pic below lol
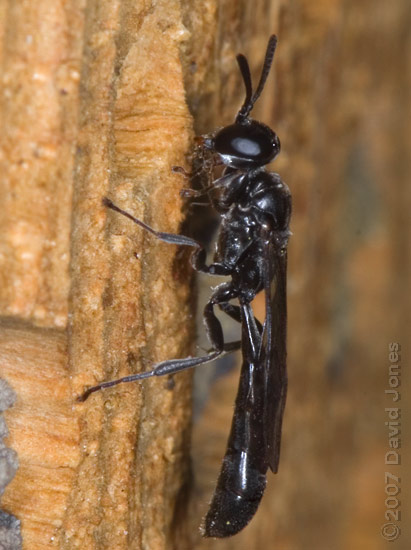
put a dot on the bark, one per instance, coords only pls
(96, 102)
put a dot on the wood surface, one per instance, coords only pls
(101, 98)
(42, 428)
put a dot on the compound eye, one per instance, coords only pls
(246, 145)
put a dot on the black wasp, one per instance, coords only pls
(254, 206)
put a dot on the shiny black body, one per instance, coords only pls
(255, 207)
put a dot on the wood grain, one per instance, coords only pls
(43, 429)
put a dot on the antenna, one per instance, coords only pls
(250, 98)
(245, 73)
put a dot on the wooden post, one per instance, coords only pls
(94, 105)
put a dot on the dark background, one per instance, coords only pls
(339, 99)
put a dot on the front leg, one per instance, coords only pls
(170, 238)
(198, 259)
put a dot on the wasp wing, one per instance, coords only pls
(273, 353)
